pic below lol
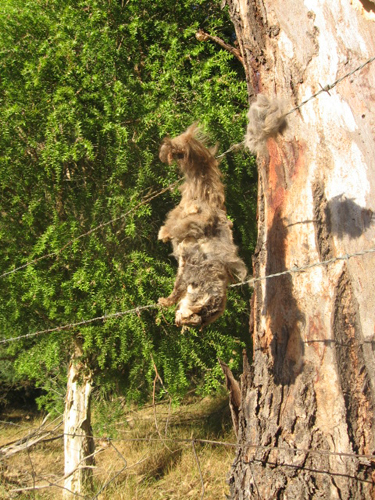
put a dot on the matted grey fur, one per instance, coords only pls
(200, 233)
(265, 119)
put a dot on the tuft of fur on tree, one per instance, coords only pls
(265, 119)
(200, 233)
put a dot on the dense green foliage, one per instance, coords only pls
(87, 91)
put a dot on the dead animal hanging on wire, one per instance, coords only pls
(200, 233)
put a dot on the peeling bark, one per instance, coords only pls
(312, 384)
(234, 394)
(352, 370)
(322, 221)
(78, 437)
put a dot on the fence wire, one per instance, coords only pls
(234, 147)
(137, 310)
(326, 88)
(145, 200)
(330, 86)
(364, 460)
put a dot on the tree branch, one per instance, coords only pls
(202, 36)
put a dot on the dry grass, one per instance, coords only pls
(146, 469)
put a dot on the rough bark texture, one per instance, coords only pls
(78, 440)
(312, 384)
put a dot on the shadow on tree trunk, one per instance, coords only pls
(287, 347)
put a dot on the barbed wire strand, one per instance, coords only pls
(234, 147)
(192, 442)
(138, 309)
(69, 326)
(330, 86)
(314, 470)
(94, 229)
(315, 451)
(326, 88)
(301, 269)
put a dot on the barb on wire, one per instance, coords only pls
(251, 281)
(69, 326)
(138, 309)
(92, 230)
(330, 86)
(365, 460)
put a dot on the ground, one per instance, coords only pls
(136, 463)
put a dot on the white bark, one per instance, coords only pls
(78, 440)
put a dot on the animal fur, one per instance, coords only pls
(265, 119)
(200, 233)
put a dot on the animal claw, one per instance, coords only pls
(164, 302)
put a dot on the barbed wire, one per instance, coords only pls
(330, 86)
(301, 269)
(138, 309)
(70, 326)
(364, 459)
(326, 88)
(315, 451)
(234, 147)
(150, 439)
(146, 200)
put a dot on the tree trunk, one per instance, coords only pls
(312, 383)
(78, 440)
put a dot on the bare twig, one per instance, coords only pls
(78, 467)
(116, 475)
(198, 465)
(49, 485)
(157, 377)
(202, 36)
(36, 436)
